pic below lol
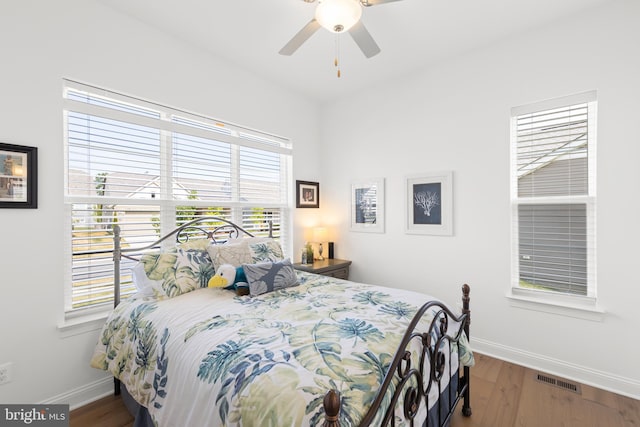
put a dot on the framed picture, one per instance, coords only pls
(18, 176)
(429, 201)
(307, 194)
(367, 206)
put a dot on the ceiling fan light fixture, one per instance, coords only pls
(338, 15)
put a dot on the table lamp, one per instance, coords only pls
(319, 236)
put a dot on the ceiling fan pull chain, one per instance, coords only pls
(336, 61)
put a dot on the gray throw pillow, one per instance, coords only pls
(269, 276)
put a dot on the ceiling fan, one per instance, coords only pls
(338, 16)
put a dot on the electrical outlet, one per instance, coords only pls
(6, 373)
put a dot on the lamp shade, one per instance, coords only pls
(338, 15)
(319, 234)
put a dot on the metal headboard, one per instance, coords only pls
(182, 234)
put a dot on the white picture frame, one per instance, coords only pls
(429, 203)
(367, 205)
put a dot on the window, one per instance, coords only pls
(553, 195)
(150, 168)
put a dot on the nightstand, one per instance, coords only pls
(328, 267)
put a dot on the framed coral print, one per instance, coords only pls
(367, 206)
(18, 176)
(307, 194)
(429, 203)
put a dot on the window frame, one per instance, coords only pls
(238, 138)
(582, 306)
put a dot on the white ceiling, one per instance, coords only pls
(411, 34)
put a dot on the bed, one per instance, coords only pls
(300, 349)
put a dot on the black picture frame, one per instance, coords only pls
(307, 194)
(18, 176)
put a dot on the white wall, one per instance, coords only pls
(41, 42)
(455, 116)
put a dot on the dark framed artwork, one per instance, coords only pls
(429, 201)
(307, 194)
(367, 205)
(18, 176)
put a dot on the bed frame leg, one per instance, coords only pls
(331, 405)
(116, 387)
(466, 403)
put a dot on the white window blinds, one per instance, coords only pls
(553, 193)
(149, 168)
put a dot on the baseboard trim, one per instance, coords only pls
(603, 380)
(83, 395)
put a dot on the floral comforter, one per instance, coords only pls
(211, 358)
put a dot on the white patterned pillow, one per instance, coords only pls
(235, 254)
(193, 269)
(173, 273)
(195, 244)
(268, 250)
(245, 251)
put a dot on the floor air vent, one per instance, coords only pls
(557, 382)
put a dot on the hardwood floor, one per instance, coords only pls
(502, 395)
(508, 395)
(106, 412)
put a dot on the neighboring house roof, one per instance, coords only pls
(540, 147)
(538, 181)
(146, 186)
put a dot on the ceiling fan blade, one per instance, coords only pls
(301, 37)
(363, 39)
(368, 3)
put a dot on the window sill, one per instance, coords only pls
(585, 308)
(82, 324)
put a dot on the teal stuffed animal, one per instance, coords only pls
(230, 277)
